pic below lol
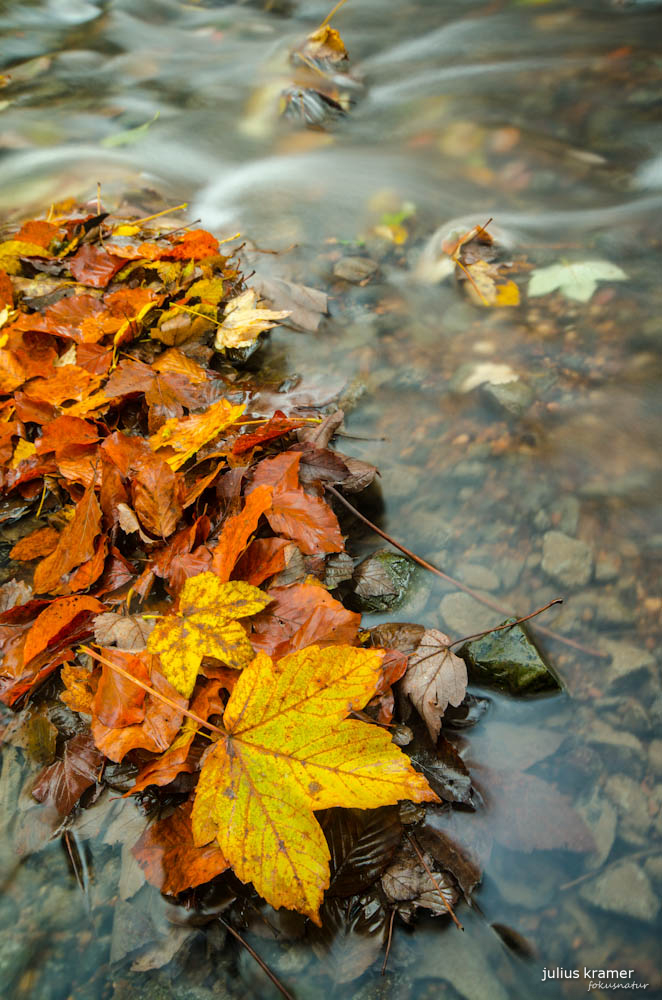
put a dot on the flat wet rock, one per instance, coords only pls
(508, 661)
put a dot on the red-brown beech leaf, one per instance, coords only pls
(274, 428)
(59, 618)
(64, 782)
(178, 758)
(237, 530)
(154, 492)
(94, 266)
(118, 702)
(302, 615)
(36, 545)
(263, 558)
(154, 486)
(160, 723)
(75, 545)
(307, 520)
(169, 858)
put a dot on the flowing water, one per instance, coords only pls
(544, 116)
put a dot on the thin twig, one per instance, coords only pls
(497, 628)
(331, 13)
(487, 601)
(434, 881)
(260, 961)
(152, 691)
(388, 942)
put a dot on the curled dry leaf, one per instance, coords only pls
(435, 678)
(245, 320)
(289, 750)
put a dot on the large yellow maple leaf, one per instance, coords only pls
(205, 625)
(289, 750)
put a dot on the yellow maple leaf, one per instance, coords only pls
(187, 435)
(205, 625)
(289, 750)
(245, 320)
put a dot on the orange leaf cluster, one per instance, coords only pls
(134, 461)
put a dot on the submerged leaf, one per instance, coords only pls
(576, 281)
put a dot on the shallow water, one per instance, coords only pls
(546, 117)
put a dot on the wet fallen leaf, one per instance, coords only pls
(160, 720)
(206, 624)
(289, 750)
(186, 436)
(75, 545)
(169, 858)
(237, 531)
(64, 782)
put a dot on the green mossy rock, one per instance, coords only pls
(508, 661)
(381, 581)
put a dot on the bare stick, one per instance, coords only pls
(388, 942)
(434, 881)
(260, 961)
(497, 628)
(487, 601)
(150, 690)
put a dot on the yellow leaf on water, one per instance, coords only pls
(206, 624)
(245, 320)
(290, 750)
(187, 435)
(507, 295)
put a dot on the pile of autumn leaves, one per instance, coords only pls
(134, 461)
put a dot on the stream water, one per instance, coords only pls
(518, 447)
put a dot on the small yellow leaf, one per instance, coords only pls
(24, 449)
(205, 625)
(290, 750)
(126, 230)
(507, 295)
(12, 250)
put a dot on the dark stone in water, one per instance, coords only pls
(508, 661)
